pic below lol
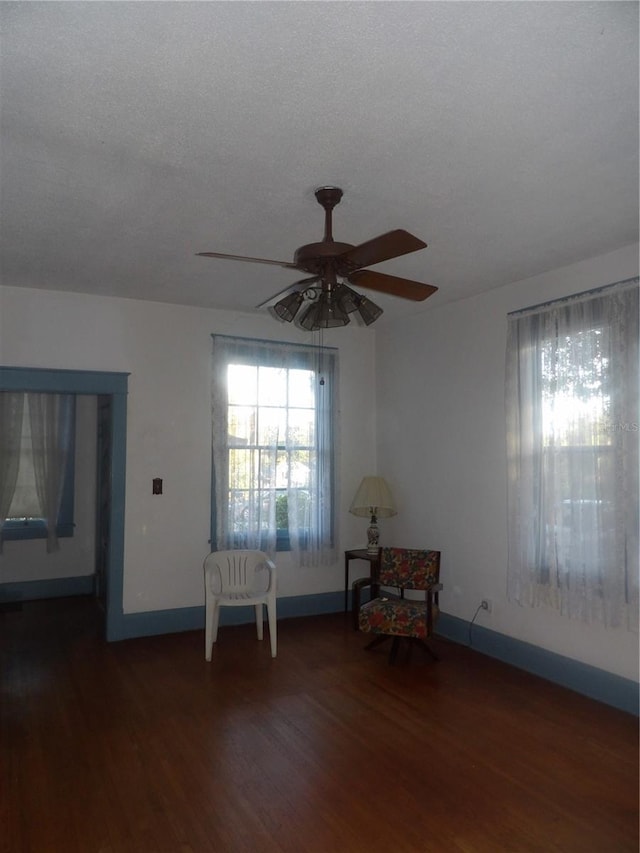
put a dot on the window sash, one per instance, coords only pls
(573, 480)
(302, 434)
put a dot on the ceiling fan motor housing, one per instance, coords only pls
(316, 257)
(320, 257)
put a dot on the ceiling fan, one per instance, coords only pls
(331, 300)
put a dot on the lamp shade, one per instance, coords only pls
(288, 307)
(367, 309)
(373, 498)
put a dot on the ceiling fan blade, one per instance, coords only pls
(382, 248)
(403, 287)
(284, 264)
(297, 285)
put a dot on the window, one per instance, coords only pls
(273, 447)
(572, 437)
(40, 480)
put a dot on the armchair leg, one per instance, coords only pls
(394, 650)
(379, 638)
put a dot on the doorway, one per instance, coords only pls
(111, 390)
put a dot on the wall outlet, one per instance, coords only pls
(486, 604)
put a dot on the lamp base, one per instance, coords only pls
(373, 536)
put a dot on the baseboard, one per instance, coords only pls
(131, 625)
(588, 680)
(622, 693)
(49, 588)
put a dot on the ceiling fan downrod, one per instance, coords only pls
(328, 197)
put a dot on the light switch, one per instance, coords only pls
(157, 486)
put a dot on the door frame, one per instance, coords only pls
(114, 385)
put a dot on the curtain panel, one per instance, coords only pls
(572, 455)
(51, 419)
(47, 434)
(11, 411)
(274, 465)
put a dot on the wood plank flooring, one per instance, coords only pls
(143, 747)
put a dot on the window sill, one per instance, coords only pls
(19, 530)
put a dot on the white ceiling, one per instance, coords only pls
(136, 134)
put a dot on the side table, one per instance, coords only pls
(360, 554)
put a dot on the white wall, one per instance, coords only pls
(166, 349)
(441, 435)
(28, 560)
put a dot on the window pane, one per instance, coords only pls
(272, 389)
(301, 428)
(243, 384)
(242, 464)
(242, 425)
(300, 467)
(271, 426)
(575, 408)
(239, 510)
(302, 388)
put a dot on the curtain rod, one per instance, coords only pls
(270, 342)
(594, 292)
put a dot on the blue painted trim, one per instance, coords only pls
(62, 381)
(115, 561)
(192, 618)
(114, 385)
(595, 683)
(590, 681)
(50, 588)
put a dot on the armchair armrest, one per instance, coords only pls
(356, 589)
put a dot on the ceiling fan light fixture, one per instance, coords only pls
(346, 298)
(367, 309)
(288, 306)
(324, 313)
(308, 319)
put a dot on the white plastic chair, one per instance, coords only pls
(233, 579)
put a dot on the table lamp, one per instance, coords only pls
(373, 500)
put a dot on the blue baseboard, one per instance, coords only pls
(51, 588)
(588, 680)
(131, 625)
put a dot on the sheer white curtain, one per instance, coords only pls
(242, 518)
(11, 410)
(51, 420)
(311, 522)
(273, 447)
(572, 444)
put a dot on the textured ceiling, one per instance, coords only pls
(136, 134)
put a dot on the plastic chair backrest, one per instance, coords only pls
(235, 570)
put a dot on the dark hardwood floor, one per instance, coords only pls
(142, 746)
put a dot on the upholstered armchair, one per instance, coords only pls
(392, 615)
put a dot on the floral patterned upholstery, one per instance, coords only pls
(389, 616)
(408, 568)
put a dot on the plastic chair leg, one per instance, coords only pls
(273, 636)
(259, 621)
(210, 628)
